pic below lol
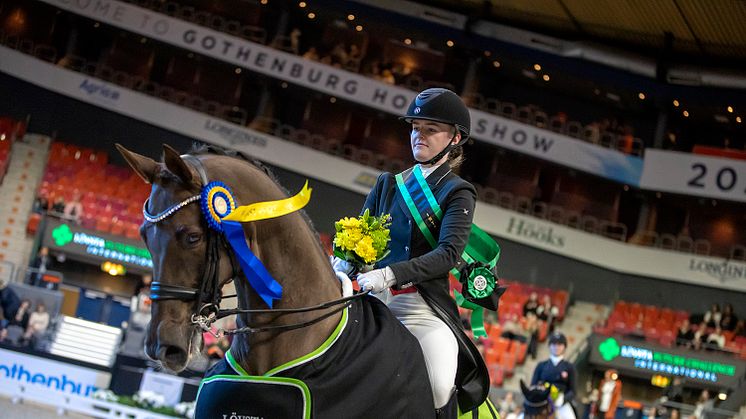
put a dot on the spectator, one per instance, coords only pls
(21, 317)
(684, 334)
(713, 316)
(700, 335)
(610, 392)
(73, 209)
(354, 54)
(728, 320)
(41, 204)
(295, 41)
(704, 403)
(39, 264)
(59, 205)
(512, 331)
(531, 328)
(311, 54)
(507, 404)
(140, 305)
(531, 304)
(339, 53)
(674, 392)
(716, 338)
(387, 76)
(548, 312)
(143, 283)
(38, 323)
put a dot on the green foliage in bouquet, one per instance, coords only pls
(362, 240)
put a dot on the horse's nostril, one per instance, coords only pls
(173, 357)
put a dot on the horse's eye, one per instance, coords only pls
(193, 238)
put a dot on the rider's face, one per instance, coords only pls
(557, 349)
(429, 138)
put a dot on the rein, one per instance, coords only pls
(209, 293)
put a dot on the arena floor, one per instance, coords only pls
(28, 410)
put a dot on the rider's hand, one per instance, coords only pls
(377, 280)
(340, 265)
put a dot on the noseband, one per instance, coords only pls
(209, 296)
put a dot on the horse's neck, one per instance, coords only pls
(294, 258)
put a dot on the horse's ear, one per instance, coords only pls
(176, 164)
(524, 389)
(145, 167)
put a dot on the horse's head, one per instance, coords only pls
(178, 243)
(536, 402)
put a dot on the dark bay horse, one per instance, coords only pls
(356, 362)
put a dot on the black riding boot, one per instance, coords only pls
(450, 410)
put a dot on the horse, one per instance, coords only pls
(537, 403)
(351, 357)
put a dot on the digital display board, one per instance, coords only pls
(95, 247)
(641, 358)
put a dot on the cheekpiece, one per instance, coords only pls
(217, 202)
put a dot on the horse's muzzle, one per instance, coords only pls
(170, 345)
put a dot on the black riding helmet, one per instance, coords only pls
(440, 105)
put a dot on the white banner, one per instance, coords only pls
(693, 174)
(534, 232)
(48, 375)
(503, 132)
(611, 254)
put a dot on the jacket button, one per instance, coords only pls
(406, 248)
(410, 222)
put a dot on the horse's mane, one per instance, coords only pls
(199, 148)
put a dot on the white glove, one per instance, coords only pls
(340, 265)
(560, 400)
(377, 280)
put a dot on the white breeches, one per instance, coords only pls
(565, 412)
(438, 343)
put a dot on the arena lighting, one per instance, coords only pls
(537, 67)
(264, 2)
(113, 269)
(96, 25)
(487, 53)
(722, 396)
(302, 4)
(641, 95)
(2, 137)
(675, 103)
(545, 77)
(350, 17)
(449, 43)
(237, 70)
(333, 99)
(143, 40)
(359, 28)
(686, 113)
(312, 15)
(407, 41)
(626, 188)
(730, 109)
(738, 119)
(496, 64)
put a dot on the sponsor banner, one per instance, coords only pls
(368, 92)
(47, 375)
(644, 359)
(694, 174)
(96, 247)
(575, 244)
(285, 154)
(611, 254)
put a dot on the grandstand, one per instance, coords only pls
(611, 173)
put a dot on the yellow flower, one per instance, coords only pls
(365, 250)
(348, 223)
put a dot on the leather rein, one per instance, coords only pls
(209, 295)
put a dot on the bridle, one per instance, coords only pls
(208, 296)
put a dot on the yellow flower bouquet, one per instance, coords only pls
(362, 241)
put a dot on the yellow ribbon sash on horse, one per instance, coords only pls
(270, 209)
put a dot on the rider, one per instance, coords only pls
(559, 373)
(413, 279)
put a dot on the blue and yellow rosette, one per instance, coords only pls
(217, 203)
(222, 215)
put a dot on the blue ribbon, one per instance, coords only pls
(258, 276)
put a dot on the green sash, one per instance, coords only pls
(476, 270)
